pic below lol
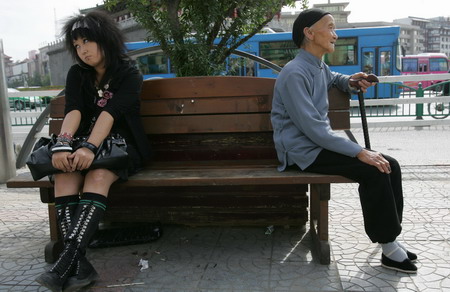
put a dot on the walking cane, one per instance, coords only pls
(362, 108)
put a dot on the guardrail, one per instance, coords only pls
(425, 106)
(26, 106)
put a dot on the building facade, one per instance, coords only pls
(438, 38)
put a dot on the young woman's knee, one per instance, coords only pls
(99, 176)
(67, 183)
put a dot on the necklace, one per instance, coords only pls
(104, 95)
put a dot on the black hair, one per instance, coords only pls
(99, 27)
(306, 18)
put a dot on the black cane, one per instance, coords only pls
(362, 108)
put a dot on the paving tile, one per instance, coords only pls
(24, 229)
(22, 248)
(433, 277)
(21, 288)
(370, 276)
(292, 245)
(22, 214)
(20, 272)
(236, 273)
(301, 276)
(246, 259)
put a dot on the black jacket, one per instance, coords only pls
(125, 85)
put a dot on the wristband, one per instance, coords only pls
(65, 138)
(89, 146)
(61, 147)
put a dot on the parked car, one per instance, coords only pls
(21, 103)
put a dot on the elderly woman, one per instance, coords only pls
(304, 139)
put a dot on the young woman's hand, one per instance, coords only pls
(81, 159)
(61, 161)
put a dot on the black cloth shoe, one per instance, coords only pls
(406, 266)
(84, 276)
(411, 256)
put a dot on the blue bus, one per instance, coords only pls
(372, 50)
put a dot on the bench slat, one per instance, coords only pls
(241, 176)
(236, 123)
(216, 123)
(196, 176)
(211, 105)
(204, 86)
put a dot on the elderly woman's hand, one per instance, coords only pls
(376, 159)
(362, 81)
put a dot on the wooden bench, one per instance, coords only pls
(214, 162)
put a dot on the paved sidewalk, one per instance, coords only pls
(247, 259)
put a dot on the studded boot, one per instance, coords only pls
(86, 218)
(84, 273)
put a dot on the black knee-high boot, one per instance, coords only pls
(86, 218)
(65, 210)
(84, 273)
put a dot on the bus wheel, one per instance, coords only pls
(439, 110)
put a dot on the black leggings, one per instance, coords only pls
(381, 194)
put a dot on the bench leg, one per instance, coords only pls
(319, 197)
(55, 246)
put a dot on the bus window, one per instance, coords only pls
(344, 53)
(368, 62)
(278, 53)
(152, 64)
(409, 65)
(423, 67)
(438, 64)
(385, 58)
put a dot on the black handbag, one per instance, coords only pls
(111, 154)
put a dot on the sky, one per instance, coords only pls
(27, 25)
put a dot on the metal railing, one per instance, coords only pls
(423, 106)
(27, 106)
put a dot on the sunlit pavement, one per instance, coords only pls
(248, 259)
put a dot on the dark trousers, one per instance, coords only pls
(380, 194)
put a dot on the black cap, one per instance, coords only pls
(305, 19)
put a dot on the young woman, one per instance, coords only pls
(102, 98)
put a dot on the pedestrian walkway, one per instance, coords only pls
(248, 259)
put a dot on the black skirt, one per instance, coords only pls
(135, 164)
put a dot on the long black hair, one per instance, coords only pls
(99, 27)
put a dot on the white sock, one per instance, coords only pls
(401, 246)
(393, 251)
